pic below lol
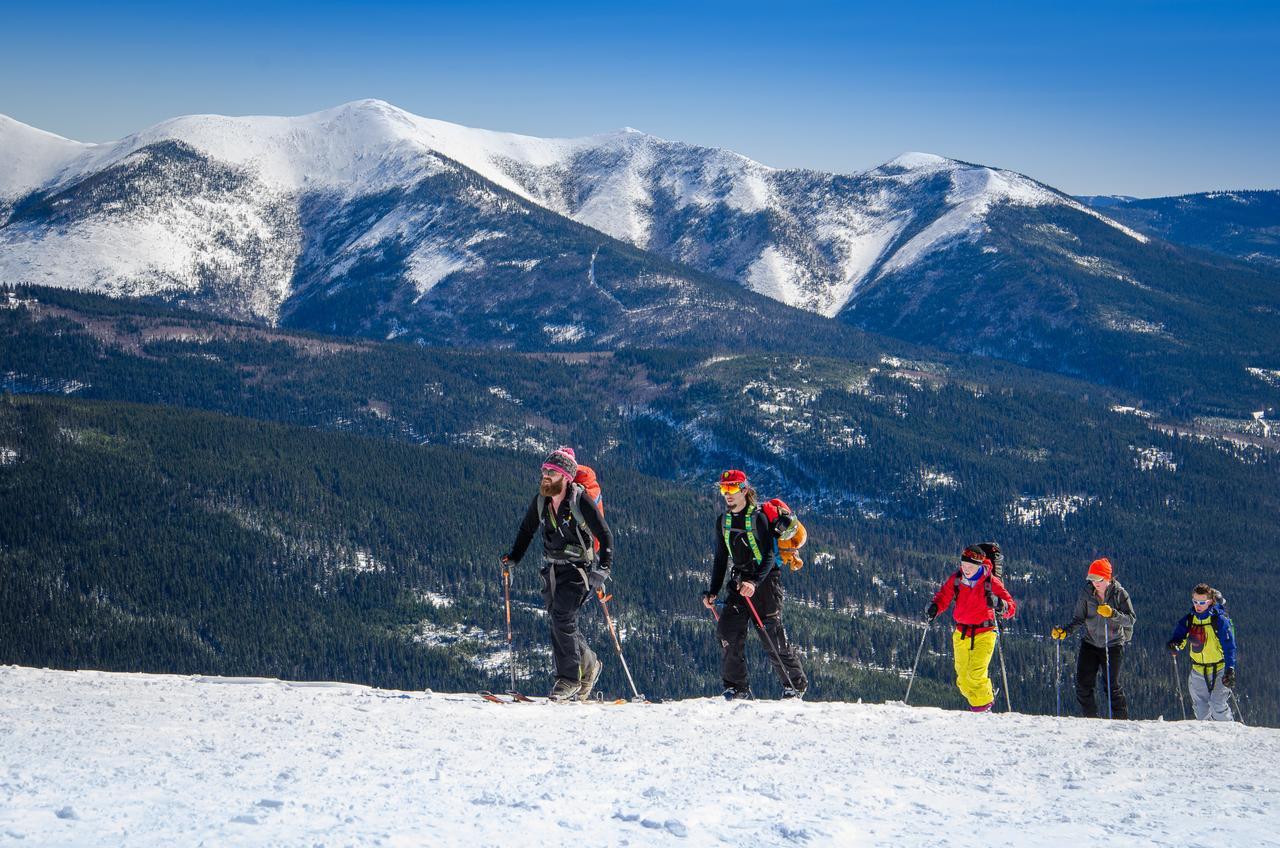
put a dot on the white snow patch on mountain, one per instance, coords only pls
(428, 266)
(775, 275)
(106, 759)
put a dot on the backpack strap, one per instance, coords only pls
(579, 523)
(751, 535)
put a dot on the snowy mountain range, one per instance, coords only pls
(365, 219)
(806, 238)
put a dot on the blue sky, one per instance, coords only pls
(1142, 98)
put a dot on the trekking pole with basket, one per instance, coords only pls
(1106, 655)
(1057, 677)
(769, 641)
(911, 679)
(511, 645)
(1177, 684)
(1004, 677)
(616, 644)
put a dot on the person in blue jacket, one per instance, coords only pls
(1210, 638)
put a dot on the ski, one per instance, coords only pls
(494, 699)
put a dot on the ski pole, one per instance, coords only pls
(614, 633)
(1239, 711)
(1106, 653)
(906, 699)
(511, 645)
(1177, 682)
(1004, 677)
(769, 641)
(1057, 677)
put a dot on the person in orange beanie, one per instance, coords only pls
(1106, 611)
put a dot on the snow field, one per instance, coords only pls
(92, 758)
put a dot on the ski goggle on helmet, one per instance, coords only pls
(732, 482)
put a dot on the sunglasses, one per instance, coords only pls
(1200, 603)
(1093, 578)
(730, 488)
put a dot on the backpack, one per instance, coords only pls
(791, 540)
(585, 484)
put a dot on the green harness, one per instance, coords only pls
(751, 534)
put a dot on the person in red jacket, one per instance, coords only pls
(979, 597)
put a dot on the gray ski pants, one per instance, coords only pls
(1209, 703)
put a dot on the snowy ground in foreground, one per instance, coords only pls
(89, 758)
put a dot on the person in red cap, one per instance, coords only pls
(1106, 611)
(979, 596)
(572, 569)
(745, 537)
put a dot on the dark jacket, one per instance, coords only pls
(745, 567)
(1104, 632)
(560, 538)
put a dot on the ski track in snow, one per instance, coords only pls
(94, 758)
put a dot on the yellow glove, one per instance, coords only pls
(1105, 611)
(1057, 633)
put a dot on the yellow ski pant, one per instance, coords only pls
(972, 658)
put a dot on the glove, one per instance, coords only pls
(1173, 645)
(997, 604)
(1229, 678)
(932, 612)
(596, 578)
(1058, 633)
(506, 561)
(1105, 611)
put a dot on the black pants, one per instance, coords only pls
(1092, 662)
(563, 599)
(737, 619)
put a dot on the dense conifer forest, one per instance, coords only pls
(187, 495)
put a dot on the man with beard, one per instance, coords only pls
(572, 568)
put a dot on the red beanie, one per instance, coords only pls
(1100, 568)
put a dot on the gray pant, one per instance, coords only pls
(1209, 703)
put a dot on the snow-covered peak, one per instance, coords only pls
(29, 156)
(916, 162)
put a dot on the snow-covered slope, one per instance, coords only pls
(107, 759)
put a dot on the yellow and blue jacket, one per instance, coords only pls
(1210, 637)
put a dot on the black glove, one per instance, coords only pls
(997, 604)
(1229, 678)
(711, 596)
(596, 578)
(507, 561)
(1173, 645)
(932, 612)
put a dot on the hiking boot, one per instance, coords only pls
(733, 693)
(564, 691)
(590, 673)
(789, 693)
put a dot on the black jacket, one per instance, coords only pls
(559, 532)
(745, 566)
